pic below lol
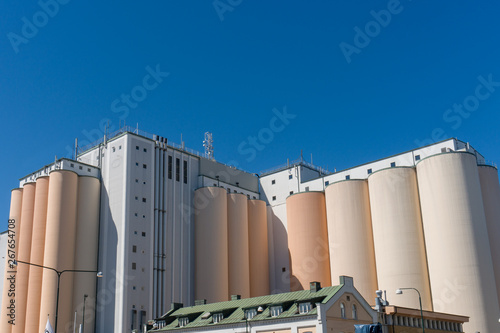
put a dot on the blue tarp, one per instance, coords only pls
(372, 328)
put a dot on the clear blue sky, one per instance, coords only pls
(356, 96)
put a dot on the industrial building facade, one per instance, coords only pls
(166, 224)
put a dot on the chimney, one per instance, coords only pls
(200, 302)
(235, 297)
(176, 306)
(314, 286)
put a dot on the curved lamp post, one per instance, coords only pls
(400, 292)
(59, 273)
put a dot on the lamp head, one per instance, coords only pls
(260, 309)
(100, 275)
(399, 292)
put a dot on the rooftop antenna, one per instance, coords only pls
(76, 148)
(311, 158)
(301, 156)
(208, 143)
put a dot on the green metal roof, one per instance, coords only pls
(234, 311)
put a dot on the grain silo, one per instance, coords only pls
(350, 235)
(258, 248)
(458, 252)
(211, 247)
(307, 240)
(398, 235)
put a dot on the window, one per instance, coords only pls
(136, 163)
(217, 317)
(143, 199)
(273, 182)
(250, 313)
(169, 167)
(143, 234)
(290, 176)
(114, 149)
(183, 321)
(119, 147)
(274, 198)
(347, 177)
(369, 171)
(177, 169)
(134, 265)
(136, 147)
(393, 164)
(133, 287)
(134, 249)
(136, 198)
(307, 188)
(144, 183)
(276, 310)
(304, 307)
(291, 192)
(137, 180)
(354, 312)
(185, 174)
(72, 165)
(145, 150)
(144, 166)
(342, 310)
(417, 157)
(135, 214)
(80, 167)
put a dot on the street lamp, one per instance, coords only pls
(400, 292)
(59, 273)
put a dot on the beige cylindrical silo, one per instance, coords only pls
(24, 254)
(456, 237)
(238, 253)
(350, 235)
(258, 248)
(211, 248)
(59, 249)
(307, 240)
(37, 251)
(398, 236)
(86, 246)
(490, 189)
(8, 310)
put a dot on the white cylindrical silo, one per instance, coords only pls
(86, 245)
(490, 189)
(398, 236)
(24, 254)
(238, 249)
(307, 240)
(8, 310)
(350, 235)
(59, 248)
(458, 251)
(258, 248)
(37, 251)
(211, 248)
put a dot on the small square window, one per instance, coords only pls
(136, 163)
(135, 214)
(89, 170)
(283, 269)
(133, 287)
(143, 234)
(134, 249)
(254, 197)
(144, 166)
(369, 171)
(136, 198)
(114, 149)
(80, 167)
(72, 165)
(327, 183)
(347, 177)
(145, 150)
(136, 147)
(290, 176)
(143, 183)
(119, 147)
(143, 199)
(274, 198)
(137, 180)
(307, 188)
(291, 192)
(143, 216)
(273, 182)
(134, 266)
(393, 164)
(417, 157)
(135, 232)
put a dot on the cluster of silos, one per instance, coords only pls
(57, 220)
(434, 227)
(231, 250)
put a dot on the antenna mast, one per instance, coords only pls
(208, 143)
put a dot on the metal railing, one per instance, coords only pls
(299, 161)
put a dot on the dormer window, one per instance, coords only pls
(183, 321)
(250, 313)
(276, 310)
(305, 307)
(217, 317)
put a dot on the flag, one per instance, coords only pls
(48, 327)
